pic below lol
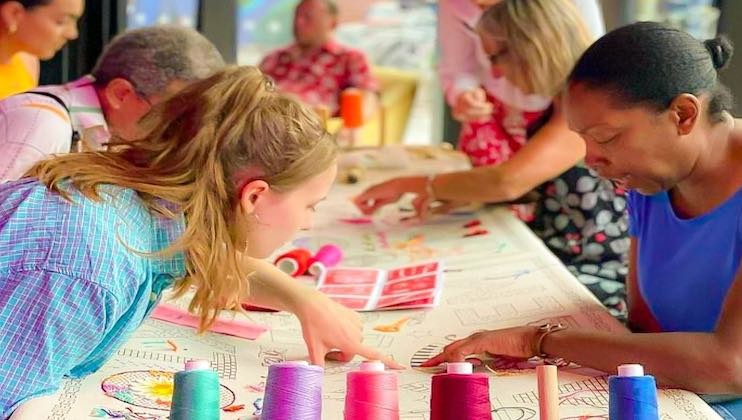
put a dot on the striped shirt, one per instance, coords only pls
(71, 289)
(33, 127)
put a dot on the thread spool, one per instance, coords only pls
(548, 392)
(632, 394)
(371, 393)
(351, 112)
(327, 256)
(195, 393)
(293, 390)
(351, 107)
(460, 394)
(294, 262)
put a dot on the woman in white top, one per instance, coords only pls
(494, 112)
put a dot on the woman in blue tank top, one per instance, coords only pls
(655, 119)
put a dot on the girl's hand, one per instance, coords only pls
(334, 331)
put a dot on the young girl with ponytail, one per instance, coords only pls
(227, 172)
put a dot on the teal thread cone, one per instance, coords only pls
(196, 393)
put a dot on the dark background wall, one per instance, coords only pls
(100, 22)
(103, 19)
(731, 25)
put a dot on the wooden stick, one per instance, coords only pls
(548, 392)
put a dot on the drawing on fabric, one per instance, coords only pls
(419, 334)
(378, 340)
(336, 368)
(488, 315)
(69, 391)
(152, 356)
(392, 327)
(283, 336)
(128, 414)
(258, 388)
(424, 354)
(269, 357)
(682, 402)
(412, 416)
(415, 247)
(567, 320)
(151, 389)
(334, 394)
(592, 392)
(224, 364)
(506, 366)
(370, 259)
(316, 241)
(492, 293)
(417, 387)
(155, 329)
(513, 413)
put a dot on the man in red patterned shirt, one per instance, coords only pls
(314, 67)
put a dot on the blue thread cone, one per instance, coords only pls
(196, 393)
(632, 395)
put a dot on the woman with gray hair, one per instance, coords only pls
(136, 70)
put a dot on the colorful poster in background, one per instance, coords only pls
(262, 25)
(141, 13)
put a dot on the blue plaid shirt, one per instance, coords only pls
(71, 292)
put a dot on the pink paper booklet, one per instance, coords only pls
(369, 289)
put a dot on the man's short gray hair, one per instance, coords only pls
(151, 58)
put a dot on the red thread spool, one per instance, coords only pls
(294, 263)
(460, 394)
(327, 256)
(351, 107)
(371, 393)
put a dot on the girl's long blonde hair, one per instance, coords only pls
(545, 39)
(201, 146)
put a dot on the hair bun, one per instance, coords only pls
(721, 51)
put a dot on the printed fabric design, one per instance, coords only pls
(582, 219)
(319, 77)
(497, 138)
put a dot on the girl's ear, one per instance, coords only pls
(251, 193)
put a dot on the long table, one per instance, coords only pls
(502, 279)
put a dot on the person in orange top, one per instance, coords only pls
(32, 30)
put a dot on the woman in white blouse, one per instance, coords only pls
(475, 94)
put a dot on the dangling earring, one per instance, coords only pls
(12, 29)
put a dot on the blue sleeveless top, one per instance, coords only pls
(685, 267)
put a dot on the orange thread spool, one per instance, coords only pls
(351, 107)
